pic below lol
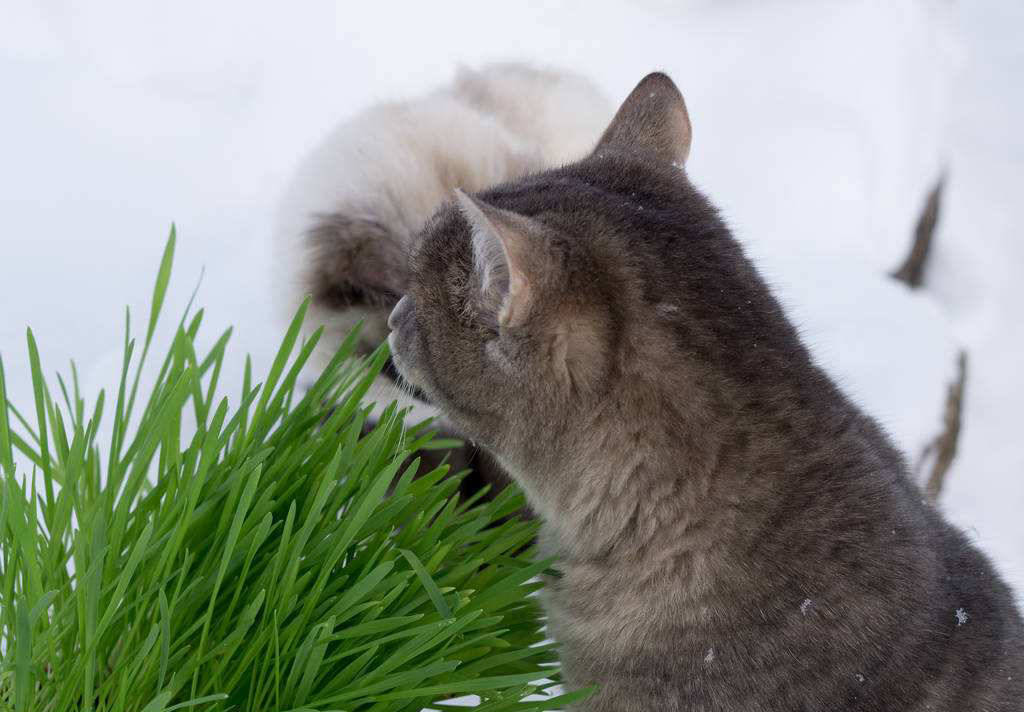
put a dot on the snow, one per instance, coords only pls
(819, 127)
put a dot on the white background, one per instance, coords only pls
(818, 128)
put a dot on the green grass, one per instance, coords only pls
(253, 553)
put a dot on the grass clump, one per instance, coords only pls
(266, 554)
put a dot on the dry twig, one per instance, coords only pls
(939, 453)
(912, 269)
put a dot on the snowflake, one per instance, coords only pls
(805, 605)
(710, 657)
(961, 617)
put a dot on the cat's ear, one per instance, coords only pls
(653, 119)
(501, 259)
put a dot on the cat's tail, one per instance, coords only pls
(355, 270)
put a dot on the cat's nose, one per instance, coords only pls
(400, 311)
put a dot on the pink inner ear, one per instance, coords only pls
(499, 256)
(515, 309)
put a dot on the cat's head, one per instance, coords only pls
(606, 284)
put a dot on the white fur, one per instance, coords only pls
(561, 113)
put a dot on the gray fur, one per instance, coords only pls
(733, 534)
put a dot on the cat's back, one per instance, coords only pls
(980, 663)
(562, 113)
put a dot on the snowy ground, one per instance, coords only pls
(818, 128)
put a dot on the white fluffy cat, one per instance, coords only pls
(358, 200)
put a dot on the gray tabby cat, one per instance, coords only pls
(732, 533)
